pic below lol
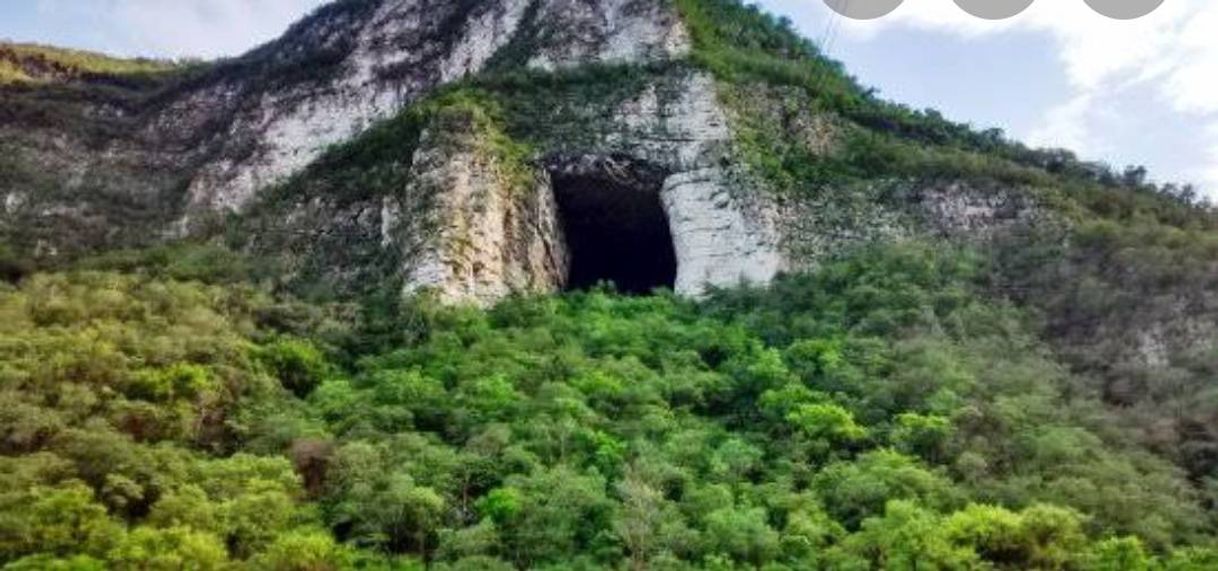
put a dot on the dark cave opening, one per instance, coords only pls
(616, 232)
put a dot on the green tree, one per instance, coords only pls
(562, 513)
(1040, 537)
(925, 436)
(1119, 554)
(826, 426)
(298, 364)
(854, 491)
(741, 533)
(906, 538)
(168, 550)
(62, 520)
(391, 511)
(305, 550)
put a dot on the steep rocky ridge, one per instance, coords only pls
(664, 121)
(360, 61)
(176, 156)
(205, 141)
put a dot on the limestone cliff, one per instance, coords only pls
(586, 96)
(209, 142)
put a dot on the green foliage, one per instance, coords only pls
(184, 261)
(1124, 554)
(1113, 300)
(27, 63)
(741, 42)
(890, 410)
(1040, 537)
(566, 110)
(906, 537)
(299, 365)
(306, 550)
(876, 413)
(123, 399)
(773, 80)
(854, 491)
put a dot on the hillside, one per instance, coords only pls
(29, 63)
(341, 303)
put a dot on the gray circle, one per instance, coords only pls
(994, 9)
(1124, 9)
(863, 9)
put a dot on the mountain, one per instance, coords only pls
(633, 93)
(335, 304)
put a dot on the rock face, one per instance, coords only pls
(229, 134)
(605, 31)
(720, 237)
(489, 240)
(717, 242)
(456, 216)
(671, 138)
(382, 56)
(962, 209)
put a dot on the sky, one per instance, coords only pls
(1143, 91)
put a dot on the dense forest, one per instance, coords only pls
(877, 413)
(915, 404)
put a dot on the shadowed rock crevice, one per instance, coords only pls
(616, 231)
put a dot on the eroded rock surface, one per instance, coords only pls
(490, 238)
(388, 56)
(452, 215)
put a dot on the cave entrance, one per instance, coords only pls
(616, 230)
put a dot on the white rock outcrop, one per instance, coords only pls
(397, 55)
(717, 242)
(488, 239)
(721, 235)
(390, 57)
(608, 31)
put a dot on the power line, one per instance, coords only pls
(832, 29)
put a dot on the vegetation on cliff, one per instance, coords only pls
(1121, 278)
(30, 63)
(750, 50)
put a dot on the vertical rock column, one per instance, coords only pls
(716, 242)
(720, 238)
(490, 238)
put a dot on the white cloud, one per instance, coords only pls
(177, 28)
(1207, 174)
(1093, 48)
(1193, 82)
(1173, 51)
(1066, 125)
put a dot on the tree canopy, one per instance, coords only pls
(877, 413)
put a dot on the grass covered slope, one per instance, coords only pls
(752, 52)
(31, 63)
(879, 413)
